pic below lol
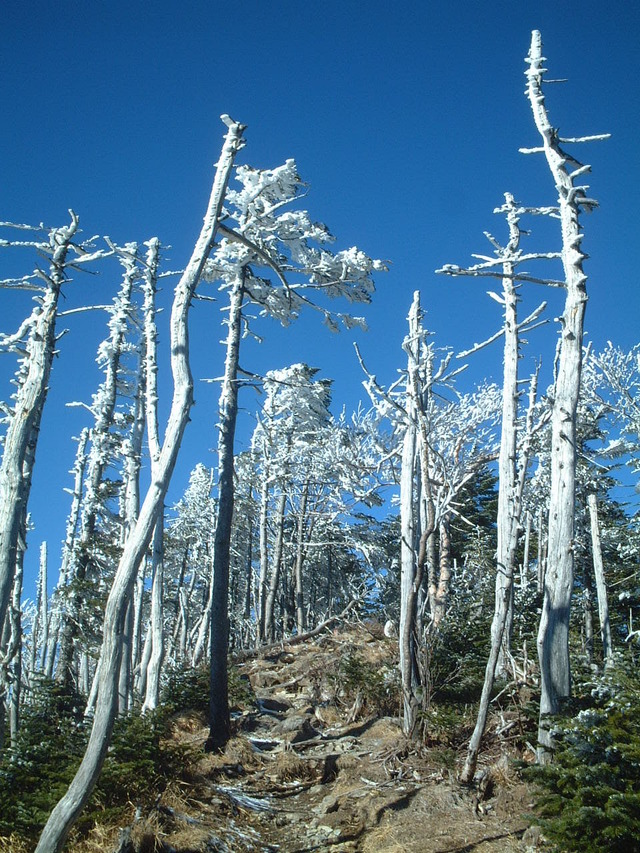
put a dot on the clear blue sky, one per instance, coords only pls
(404, 118)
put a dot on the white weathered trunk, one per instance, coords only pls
(67, 810)
(15, 648)
(156, 625)
(67, 551)
(100, 455)
(524, 573)
(553, 633)
(601, 585)
(408, 552)
(40, 630)
(202, 634)
(508, 504)
(25, 418)
(153, 664)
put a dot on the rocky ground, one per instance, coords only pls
(314, 766)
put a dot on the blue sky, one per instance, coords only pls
(404, 118)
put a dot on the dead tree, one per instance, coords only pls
(278, 242)
(67, 810)
(35, 343)
(514, 454)
(553, 634)
(601, 585)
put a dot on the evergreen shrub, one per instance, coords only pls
(188, 690)
(36, 771)
(377, 685)
(590, 795)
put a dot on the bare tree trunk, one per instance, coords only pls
(30, 397)
(67, 810)
(100, 455)
(408, 569)
(300, 554)
(156, 626)
(203, 636)
(275, 571)
(40, 630)
(15, 648)
(524, 573)
(601, 586)
(507, 521)
(553, 634)
(442, 592)
(153, 666)
(411, 563)
(67, 551)
(219, 719)
(587, 609)
(125, 676)
(264, 559)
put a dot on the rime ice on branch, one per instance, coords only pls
(274, 258)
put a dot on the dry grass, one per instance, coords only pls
(13, 844)
(289, 767)
(100, 837)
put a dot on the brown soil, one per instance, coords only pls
(314, 766)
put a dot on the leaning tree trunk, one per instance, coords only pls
(553, 633)
(33, 385)
(508, 512)
(67, 810)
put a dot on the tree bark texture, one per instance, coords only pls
(553, 634)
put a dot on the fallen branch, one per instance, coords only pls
(296, 639)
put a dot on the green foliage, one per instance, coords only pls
(590, 798)
(377, 685)
(455, 657)
(36, 772)
(188, 690)
(141, 760)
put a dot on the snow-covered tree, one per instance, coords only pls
(445, 444)
(514, 452)
(257, 263)
(97, 518)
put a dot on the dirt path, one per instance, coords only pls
(308, 772)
